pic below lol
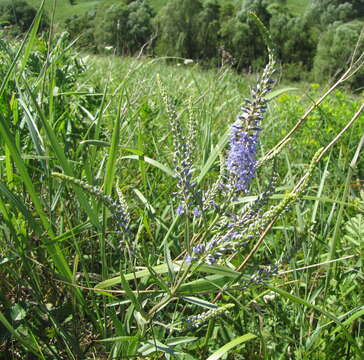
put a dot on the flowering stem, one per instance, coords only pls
(299, 123)
(187, 232)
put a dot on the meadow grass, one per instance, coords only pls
(93, 248)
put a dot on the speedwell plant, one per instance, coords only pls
(98, 276)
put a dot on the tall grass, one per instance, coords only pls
(93, 247)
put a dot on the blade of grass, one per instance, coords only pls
(130, 294)
(16, 202)
(20, 50)
(213, 156)
(53, 249)
(31, 39)
(218, 354)
(222, 271)
(150, 161)
(305, 303)
(24, 340)
(109, 178)
(66, 166)
(335, 237)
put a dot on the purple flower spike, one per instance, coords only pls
(244, 134)
(241, 159)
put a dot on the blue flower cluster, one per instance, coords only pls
(195, 321)
(241, 160)
(244, 133)
(236, 230)
(214, 250)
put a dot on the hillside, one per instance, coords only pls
(210, 32)
(65, 10)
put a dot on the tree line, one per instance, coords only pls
(315, 45)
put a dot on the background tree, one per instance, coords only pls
(334, 52)
(177, 28)
(139, 25)
(241, 36)
(329, 11)
(19, 15)
(82, 28)
(208, 36)
(124, 26)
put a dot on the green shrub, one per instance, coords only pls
(334, 52)
(178, 28)
(82, 29)
(19, 15)
(126, 27)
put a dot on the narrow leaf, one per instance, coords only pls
(230, 345)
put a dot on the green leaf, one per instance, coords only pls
(154, 345)
(213, 156)
(355, 230)
(230, 345)
(118, 338)
(28, 342)
(152, 162)
(131, 295)
(17, 313)
(208, 283)
(352, 318)
(17, 202)
(54, 250)
(278, 92)
(58, 150)
(159, 269)
(301, 301)
(29, 36)
(181, 340)
(222, 272)
(110, 167)
(32, 37)
(199, 302)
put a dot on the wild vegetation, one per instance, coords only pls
(313, 38)
(156, 211)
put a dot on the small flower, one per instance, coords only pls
(196, 212)
(180, 209)
(195, 321)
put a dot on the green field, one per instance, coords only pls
(126, 230)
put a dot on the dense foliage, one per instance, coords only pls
(124, 27)
(216, 32)
(114, 187)
(18, 15)
(335, 51)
